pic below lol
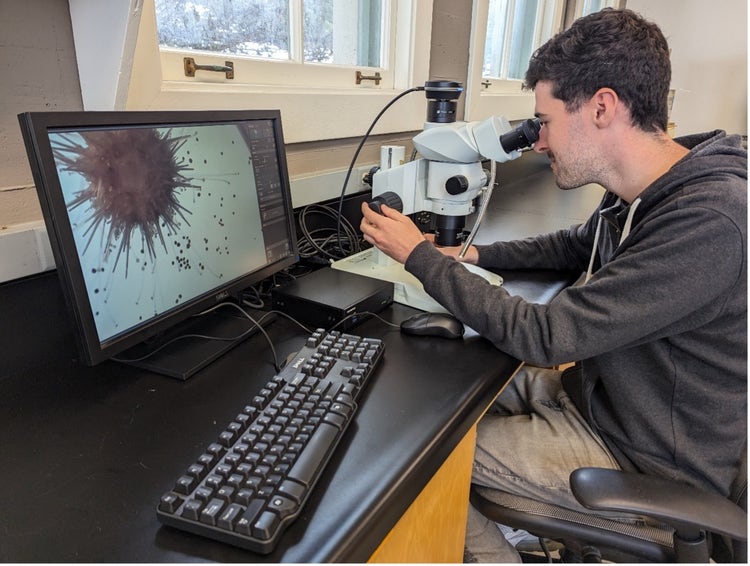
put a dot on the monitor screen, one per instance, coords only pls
(155, 216)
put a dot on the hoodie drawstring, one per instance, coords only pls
(625, 232)
(629, 220)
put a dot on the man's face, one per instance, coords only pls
(565, 138)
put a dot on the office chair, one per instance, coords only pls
(686, 524)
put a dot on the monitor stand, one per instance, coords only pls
(184, 357)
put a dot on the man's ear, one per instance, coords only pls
(606, 105)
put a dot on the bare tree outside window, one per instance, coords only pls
(340, 32)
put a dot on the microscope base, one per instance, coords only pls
(407, 289)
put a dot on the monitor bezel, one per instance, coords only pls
(35, 127)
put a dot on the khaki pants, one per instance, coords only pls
(528, 443)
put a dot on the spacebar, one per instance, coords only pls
(315, 452)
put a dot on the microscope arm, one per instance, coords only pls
(466, 142)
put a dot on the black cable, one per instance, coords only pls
(365, 313)
(543, 544)
(256, 323)
(256, 295)
(294, 320)
(356, 154)
(321, 241)
(256, 301)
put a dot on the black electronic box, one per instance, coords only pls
(328, 296)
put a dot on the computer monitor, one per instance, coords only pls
(155, 216)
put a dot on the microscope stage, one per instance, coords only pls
(407, 289)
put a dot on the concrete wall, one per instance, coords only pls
(38, 69)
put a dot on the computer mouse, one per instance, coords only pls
(433, 324)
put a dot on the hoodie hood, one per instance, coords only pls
(712, 155)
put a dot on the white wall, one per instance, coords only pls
(709, 61)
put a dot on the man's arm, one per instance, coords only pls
(396, 235)
(649, 290)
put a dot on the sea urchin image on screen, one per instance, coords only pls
(134, 177)
(159, 215)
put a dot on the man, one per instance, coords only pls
(659, 326)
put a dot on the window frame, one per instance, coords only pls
(287, 73)
(120, 67)
(485, 98)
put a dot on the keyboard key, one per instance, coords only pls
(204, 493)
(293, 490)
(214, 481)
(247, 519)
(282, 506)
(226, 492)
(265, 527)
(230, 516)
(245, 496)
(185, 484)
(170, 502)
(336, 420)
(197, 471)
(308, 464)
(210, 513)
(192, 509)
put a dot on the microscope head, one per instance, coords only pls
(449, 177)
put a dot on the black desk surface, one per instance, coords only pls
(88, 451)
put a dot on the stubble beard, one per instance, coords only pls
(563, 177)
(575, 173)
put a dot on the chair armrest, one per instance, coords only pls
(676, 504)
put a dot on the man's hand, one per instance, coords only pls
(391, 232)
(471, 256)
(396, 235)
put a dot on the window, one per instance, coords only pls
(340, 33)
(515, 28)
(506, 34)
(299, 57)
(321, 43)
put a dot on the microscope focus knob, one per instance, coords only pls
(388, 198)
(456, 185)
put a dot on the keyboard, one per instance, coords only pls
(252, 482)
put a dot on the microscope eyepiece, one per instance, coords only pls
(523, 135)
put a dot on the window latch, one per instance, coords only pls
(360, 77)
(191, 66)
(486, 84)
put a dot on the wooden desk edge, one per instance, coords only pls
(433, 528)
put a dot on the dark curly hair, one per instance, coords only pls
(618, 49)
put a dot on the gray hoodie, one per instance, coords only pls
(661, 326)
